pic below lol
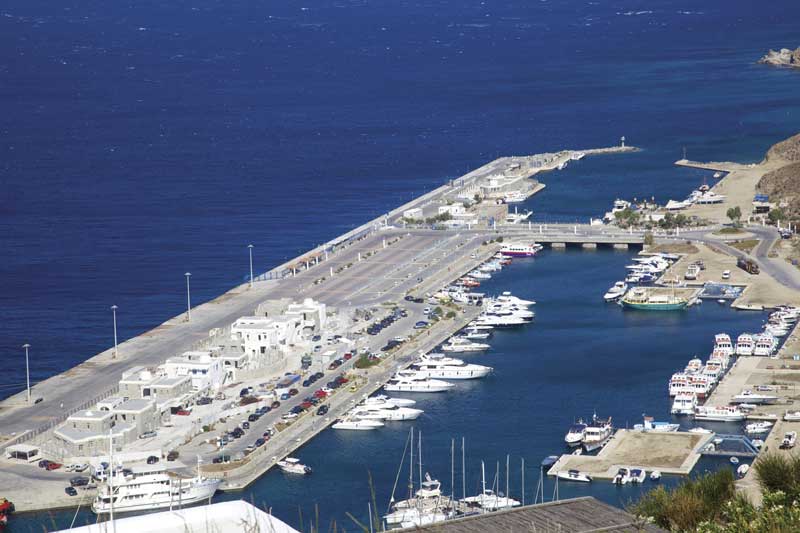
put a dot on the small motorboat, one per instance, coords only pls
(758, 443)
(637, 475)
(700, 430)
(792, 416)
(290, 465)
(622, 477)
(616, 292)
(655, 475)
(734, 460)
(789, 440)
(574, 475)
(743, 469)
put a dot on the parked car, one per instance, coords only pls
(250, 448)
(43, 463)
(275, 404)
(323, 409)
(421, 324)
(726, 274)
(293, 392)
(148, 435)
(245, 425)
(320, 394)
(204, 401)
(348, 356)
(289, 416)
(306, 405)
(79, 481)
(71, 491)
(77, 467)
(297, 409)
(53, 465)
(173, 455)
(183, 412)
(253, 418)
(285, 396)
(152, 460)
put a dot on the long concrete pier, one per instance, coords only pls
(368, 266)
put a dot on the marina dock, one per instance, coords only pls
(670, 453)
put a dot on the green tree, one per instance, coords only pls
(775, 215)
(735, 214)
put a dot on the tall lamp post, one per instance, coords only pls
(114, 312)
(188, 298)
(27, 370)
(250, 249)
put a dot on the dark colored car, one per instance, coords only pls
(43, 463)
(152, 460)
(323, 409)
(245, 425)
(253, 418)
(71, 491)
(293, 392)
(275, 404)
(260, 442)
(319, 375)
(244, 392)
(171, 456)
(307, 382)
(341, 380)
(79, 481)
(204, 401)
(297, 410)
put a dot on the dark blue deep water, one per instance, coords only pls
(142, 140)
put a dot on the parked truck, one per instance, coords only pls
(748, 265)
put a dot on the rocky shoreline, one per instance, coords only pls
(782, 58)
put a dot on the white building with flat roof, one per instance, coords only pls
(206, 372)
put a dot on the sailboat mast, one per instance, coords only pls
(111, 476)
(522, 468)
(507, 458)
(419, 456)
(452, 468)
(463, 470)
(483, 478)
(411, 468)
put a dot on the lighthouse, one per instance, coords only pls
(622, 141)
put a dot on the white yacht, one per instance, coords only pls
(496, 321)
(724, 413)
(462, 345)
(684, 404)
(149, 488)
(507, 298)
(637, 475)
(616, 292)
(791, 416)
(597, 433)
(290, 465)
(477, 274)
(574, 475)
(441, 367)
(383, 400)
(765, 344)
(748, 396)
(393, 413)
(489, 501)
(417, 510)
(357, 424)
(758, 428)
(574, 436)
(515, 197)
(745, 344)
(474, 334)
(722, 343)
(412, 381)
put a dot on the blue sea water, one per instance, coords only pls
(143, 140)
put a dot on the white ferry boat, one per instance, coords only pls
(441, 367)
(411, 381)
(149, 488)
(722, 342)
(684, 404)
(520, 249)
(745, 344)
(765, 344)
(462, 345)
(597, 433)
(291, 465)
(724, 413)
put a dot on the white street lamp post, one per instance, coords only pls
(114, 311)
(188, 298)
(27, 370)
(250, 248)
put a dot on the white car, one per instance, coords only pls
(290, 416)
(726, 274)
(78, 467)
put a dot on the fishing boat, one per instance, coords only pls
(616, 292)
(291, 465)
(597, 433)
(656, 427)
(574, 475)
(642, 299)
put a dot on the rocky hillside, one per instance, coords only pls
(783, 184)
(782, 58)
